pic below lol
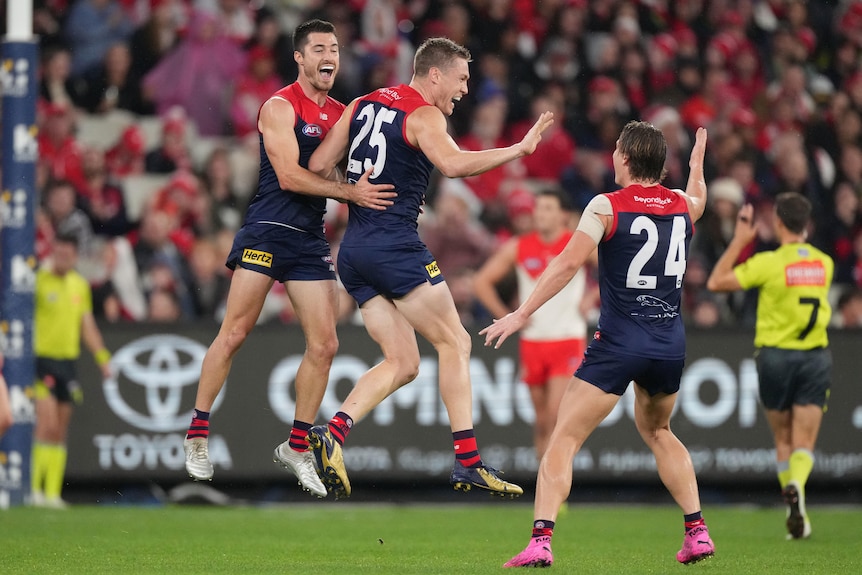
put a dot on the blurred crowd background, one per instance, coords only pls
(149, 147)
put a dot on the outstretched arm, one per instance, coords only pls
(277, 118)
(426, 129)
(556, 276)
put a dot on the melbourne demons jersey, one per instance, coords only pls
(271, 204)
(378, 138)
(560, 317)
(642, 262)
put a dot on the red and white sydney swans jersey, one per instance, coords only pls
(560, 317)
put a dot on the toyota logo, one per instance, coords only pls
(155, 370)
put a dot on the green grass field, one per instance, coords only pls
(447, 539)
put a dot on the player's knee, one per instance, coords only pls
(323, 350)
(231, 339)
(464, 342)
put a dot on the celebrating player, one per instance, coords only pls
(282, 240)
(643, 233)
(401, 134)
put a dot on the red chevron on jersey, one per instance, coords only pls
(652, 200)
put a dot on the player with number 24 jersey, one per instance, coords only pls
(644, 318)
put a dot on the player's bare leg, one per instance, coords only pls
(652, 418)
(431, 311)
(583, 407)
(546, 403)
(315, 304)
(248, 291)
(400, 365)
(397, 340)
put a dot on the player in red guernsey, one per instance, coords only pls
(552, 346)
(282, 239)
(643, 233)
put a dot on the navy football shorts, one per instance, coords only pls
(789, 377)
(281, 253)
(612, 371)
(392, 272)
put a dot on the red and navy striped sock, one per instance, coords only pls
(542, 528)
(340, 426)
(693, 520)
(466, 450)
(298, 434)
(200, 426)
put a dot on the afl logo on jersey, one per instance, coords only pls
(312, 131)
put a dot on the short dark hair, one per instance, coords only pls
(794, 211)
(67, 238)
(438, 53)
(302, 32)
(646, 149)
(562, 197)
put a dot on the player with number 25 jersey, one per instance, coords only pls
(399, 261)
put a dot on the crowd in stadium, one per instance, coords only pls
(149, 146)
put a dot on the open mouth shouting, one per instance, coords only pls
(327, 72)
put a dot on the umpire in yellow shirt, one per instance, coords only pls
(63, 315)
(794, 364)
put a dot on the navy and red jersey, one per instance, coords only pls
(642, 262)
(271, 204)
(378, 138)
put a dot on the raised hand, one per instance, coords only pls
(699, 149)
(532, 138)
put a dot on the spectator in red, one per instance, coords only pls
(747, 76)
(253, 88)
(662, 63)
(181, 199)
(486, 131)
(268, 34)
(703, 107)
(126, 157)
(173, 152)
(58, 149)
(556, 151)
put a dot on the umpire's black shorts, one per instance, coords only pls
(791, 377)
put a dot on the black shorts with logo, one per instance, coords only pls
(282, 253)
(391, 271)
(789, 377)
